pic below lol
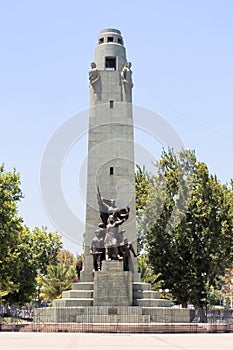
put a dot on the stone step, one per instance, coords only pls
(148, 294)
(83, 285)
(151, 294)
(73, 302)
(69, 294)
(153, 302)
(139, 286)
(113, 319)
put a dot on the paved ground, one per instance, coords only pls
(90, 341)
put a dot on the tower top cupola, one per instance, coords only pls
(110, 36)
(110, 52)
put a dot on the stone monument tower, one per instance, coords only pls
(113, 293)
(111, 140)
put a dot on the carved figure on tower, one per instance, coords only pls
(94, 78)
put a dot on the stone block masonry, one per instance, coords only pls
(112, 285)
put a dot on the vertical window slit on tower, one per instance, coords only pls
(111, 170)
(111, 104)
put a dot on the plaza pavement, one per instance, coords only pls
(98, 341)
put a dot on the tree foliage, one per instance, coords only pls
(10, 227)
(36, 250)
(23, 253)
(57, 279)
(186, 226)
(46, 246)
(147, 272)
(66, 257)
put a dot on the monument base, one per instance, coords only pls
(112, 297)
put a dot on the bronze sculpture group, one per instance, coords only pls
(109, 243)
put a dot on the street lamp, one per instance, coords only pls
(164, 292)
(231, 290)
(38, 291)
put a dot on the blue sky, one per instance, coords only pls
(181, 53)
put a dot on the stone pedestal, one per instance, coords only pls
(112, 285)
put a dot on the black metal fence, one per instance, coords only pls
(220, 316)
(21, 319)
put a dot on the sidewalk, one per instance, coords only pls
(93, 341)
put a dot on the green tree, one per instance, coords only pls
(187, 226)
(35, 251)
(66, 257)
(147, 272)
(46, 246)
(142, 182)
(57, 279)
(23, 253)
(10, 227)
(25, 270)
